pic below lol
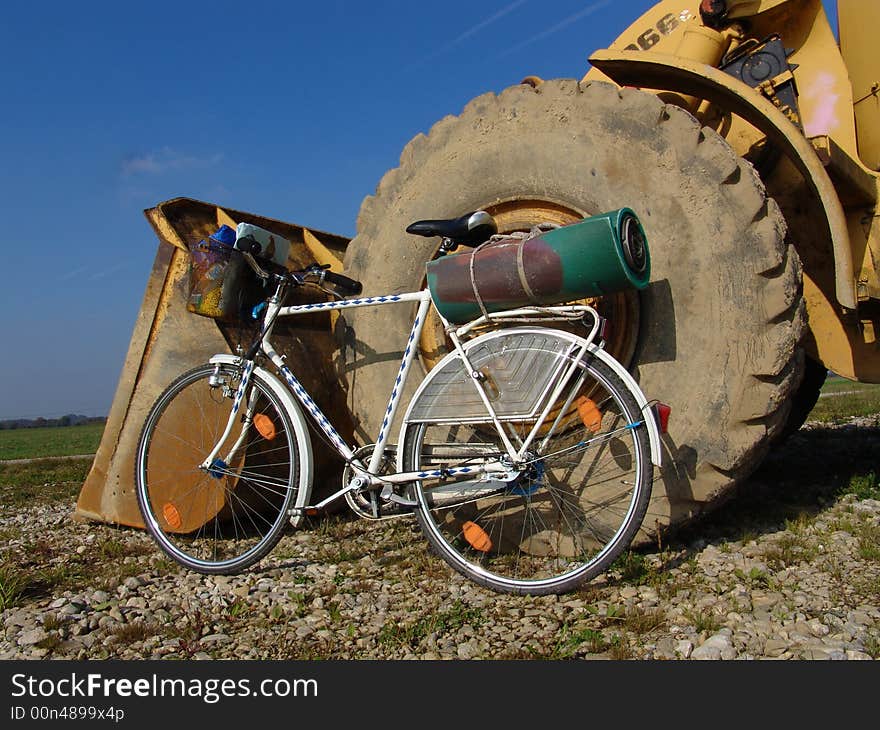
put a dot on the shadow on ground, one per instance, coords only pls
(801, 476)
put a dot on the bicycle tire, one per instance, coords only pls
(227, 518)
(565, 519)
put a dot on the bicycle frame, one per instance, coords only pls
(366, 475)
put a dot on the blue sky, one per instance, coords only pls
(289, 110)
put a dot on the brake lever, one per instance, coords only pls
(258, 270)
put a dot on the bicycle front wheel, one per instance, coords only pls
(223, 518)
(577, 496)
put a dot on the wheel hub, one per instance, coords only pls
(531, 479)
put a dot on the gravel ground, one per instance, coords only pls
(788, 569)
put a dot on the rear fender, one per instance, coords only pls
(650, 422)
(663, 72)
(593, 349)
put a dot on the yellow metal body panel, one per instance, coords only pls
(859, 24)
(825, 95)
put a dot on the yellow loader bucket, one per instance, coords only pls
(168, 340)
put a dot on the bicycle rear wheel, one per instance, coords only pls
(581, 490)
(225, 518)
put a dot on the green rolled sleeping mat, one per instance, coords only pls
(599, 255)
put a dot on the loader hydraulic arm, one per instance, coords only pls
(664, 72)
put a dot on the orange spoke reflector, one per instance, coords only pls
(476, 536)
(265, 427)
(589, 414)
(171, 515)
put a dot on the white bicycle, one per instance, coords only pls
(527, 454)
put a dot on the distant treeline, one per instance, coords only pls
(70, 419)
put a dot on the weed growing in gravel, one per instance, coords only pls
(188, 631)
(336, 527)
(869, 541)
(632, 567)
(620, 648)
(596, 641)
(571, 642)
(111, 548)
(342, 553)
(164, 566)
(12, 585)
(237, 609)
(838, 572)
(703, 620)
(50, 642)
(801, 524)
(790, 549)
(844, 524)
(335, 613)
(8, 534)
(412, 634)
(872, 647)
(673, 583)
(610, 611)
(135, 631)
(642, 621)
(47, 579)
(864, 486)
(298, 603)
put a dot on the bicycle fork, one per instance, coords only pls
(214, 465)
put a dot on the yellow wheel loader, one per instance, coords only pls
(746, 139)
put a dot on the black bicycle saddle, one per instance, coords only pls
(471, 229)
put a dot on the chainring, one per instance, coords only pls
(366, 502)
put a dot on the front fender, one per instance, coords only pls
(300, 430)
(664, 72)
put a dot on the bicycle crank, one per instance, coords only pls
(366, 502)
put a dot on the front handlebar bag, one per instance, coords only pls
(221, 284)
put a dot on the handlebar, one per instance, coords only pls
(349, 286)
(250, 248)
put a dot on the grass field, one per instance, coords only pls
(42, 480)
(841, 399)
(34, 443)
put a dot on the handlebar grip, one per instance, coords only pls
(350, 286)
(249, 245)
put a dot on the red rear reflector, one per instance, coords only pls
(661, 413)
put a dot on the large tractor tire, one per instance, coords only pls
(806, 396)
(716, 334)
